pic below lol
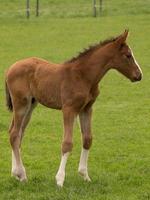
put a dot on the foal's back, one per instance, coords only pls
(36, 78)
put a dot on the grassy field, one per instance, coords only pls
(119, 161)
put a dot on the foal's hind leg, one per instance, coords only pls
(28, 116)
(85, 121)
(11, 125)
(21, 111)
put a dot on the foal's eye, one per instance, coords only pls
(128, 56)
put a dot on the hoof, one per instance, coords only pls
(60, 179)
(19, 174)
(84, 174)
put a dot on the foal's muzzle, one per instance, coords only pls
(137, 78)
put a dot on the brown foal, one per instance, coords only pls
(71, 87)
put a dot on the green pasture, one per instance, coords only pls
(119, 161)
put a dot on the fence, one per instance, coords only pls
(95, 5)
(73, 8)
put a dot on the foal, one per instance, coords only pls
(71, 87)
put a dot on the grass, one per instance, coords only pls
(119, 161)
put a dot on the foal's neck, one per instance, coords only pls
(95, 66)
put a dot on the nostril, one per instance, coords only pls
(138, 78)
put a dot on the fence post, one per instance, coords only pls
(37, 8)
(28, 8)
(94, 7)
(100, 6)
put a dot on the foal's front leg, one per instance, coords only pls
(67, 144)
(85, 121)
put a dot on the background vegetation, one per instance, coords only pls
(119, 162)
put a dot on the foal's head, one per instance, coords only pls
(124, 61)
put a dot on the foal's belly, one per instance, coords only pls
(50, 99)
(50, 102)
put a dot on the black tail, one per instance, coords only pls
(8, 98)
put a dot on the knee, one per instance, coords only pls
(67, 146)
(87, 142)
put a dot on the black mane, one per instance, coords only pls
(91, 48)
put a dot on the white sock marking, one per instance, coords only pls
(83, 169)
(60, 176)
(13, 162)
(18, 170)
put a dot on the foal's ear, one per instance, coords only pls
(122, 38)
